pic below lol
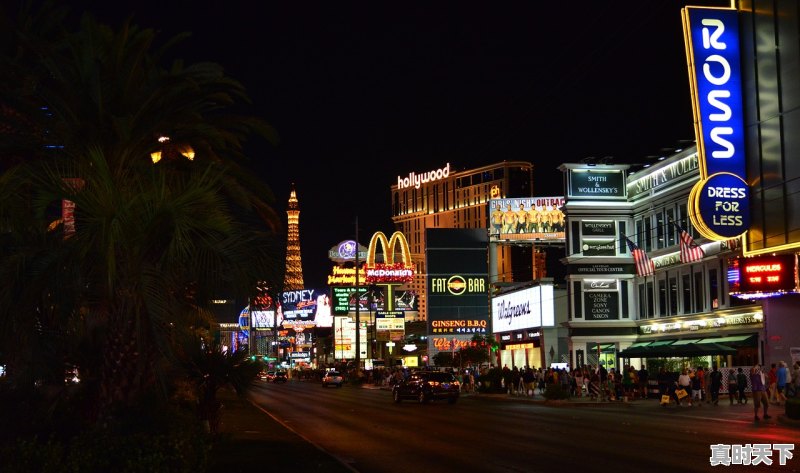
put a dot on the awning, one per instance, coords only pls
(733, 340)
(676, 348)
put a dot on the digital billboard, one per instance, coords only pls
(305, 308)
(457, 285)
(767, 274)
(526, 218)
(529, 308)
(344, 299)
(264, 318)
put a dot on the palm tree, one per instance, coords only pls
(153, 242)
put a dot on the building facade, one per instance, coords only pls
(446, 198)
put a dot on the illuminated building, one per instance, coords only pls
(293, 279)
(445, 198)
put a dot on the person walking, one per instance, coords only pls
(794, 382)
(684, 383)
(741, 384)
(697, 388)
(733, 387)
(643, 381)
(772, 387)
(716, 383)
(782, 376)
(758, 385)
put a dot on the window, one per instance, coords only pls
(670, 228)
(673, 296)
(686, 286)
(648, 234)
(650, 299)
(699, 300)
(661, 238)
(642, 302)
(713, 287)
(662, 298)
(640, 233)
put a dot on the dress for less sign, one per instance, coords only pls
(719, 203)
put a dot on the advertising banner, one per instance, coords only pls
(529, 308)
(305, 308)
(527, 218)
(601, 305)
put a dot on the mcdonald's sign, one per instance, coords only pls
(389, 271)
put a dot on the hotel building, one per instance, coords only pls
(459, 199)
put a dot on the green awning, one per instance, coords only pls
(660, 343)
(684, 342)
(733, 340)
(639, 344)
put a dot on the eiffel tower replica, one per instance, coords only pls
(293, 280)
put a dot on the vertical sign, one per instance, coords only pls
(719, 202)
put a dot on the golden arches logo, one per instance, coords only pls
(389, 270)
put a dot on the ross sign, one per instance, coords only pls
(598, 247)
(529, 308)
(527, 218)
(663, 177)
(388, 272)
(767, 274)
(601, 229)
(417, 180)
(596, 184)
(601, 269)
(719, 203)
(601, 305)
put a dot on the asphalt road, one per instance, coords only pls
(365, 430)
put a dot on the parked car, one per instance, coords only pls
(426, 386)
(263, 375)
(332, 377)
(280, 377)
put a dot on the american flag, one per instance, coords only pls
(690, 251)
(644, 267)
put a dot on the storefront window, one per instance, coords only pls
(662, 298)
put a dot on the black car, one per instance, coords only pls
(280, 377)
(426, 386)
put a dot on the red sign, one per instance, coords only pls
(767, 274)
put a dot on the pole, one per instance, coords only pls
(358, 313)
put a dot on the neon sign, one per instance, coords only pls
(719, 203)
(418, 179)
(388, 272)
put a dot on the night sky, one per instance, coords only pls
(363, 92)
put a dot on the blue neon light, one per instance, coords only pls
(718, 76)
